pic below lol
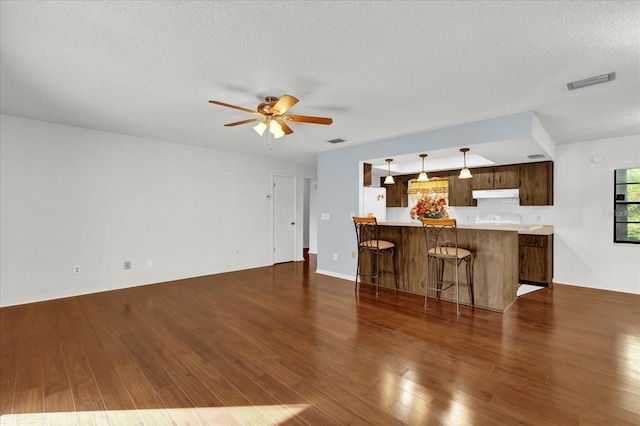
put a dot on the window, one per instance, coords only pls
(627, 206)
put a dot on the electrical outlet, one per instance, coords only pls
(327, 214)
(237, 252)
(76, 269)
(127, 264)
(538, 218)
(335, 256)
(149, 261)
(324, 216)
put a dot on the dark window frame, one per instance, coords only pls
(621, 206)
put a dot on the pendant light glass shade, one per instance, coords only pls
(465, 173)
(389, 179)
(422, 177)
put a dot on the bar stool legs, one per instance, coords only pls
(368, 241)
(441, 237)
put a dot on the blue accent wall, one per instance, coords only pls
(338, 173)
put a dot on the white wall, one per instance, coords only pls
(584, 252)
(73, 196)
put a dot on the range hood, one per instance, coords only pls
(496, 193)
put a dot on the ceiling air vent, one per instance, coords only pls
(591, 81)
(338, 140)
(534, 156)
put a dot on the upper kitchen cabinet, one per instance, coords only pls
(536, 184)
(502, 177)
(460, 190)
(482, 178)
(506, 177)
(397, 192)
(366, 174)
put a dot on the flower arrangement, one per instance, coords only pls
(429, 207)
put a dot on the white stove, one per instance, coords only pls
(499, 218)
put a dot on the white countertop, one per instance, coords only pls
(520, 229)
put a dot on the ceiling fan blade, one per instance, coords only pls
(306, 119)
(286, 129)
(284, 103)
(235, 107)
(243, 122)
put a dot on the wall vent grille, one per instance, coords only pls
(534, 156)
(337, 140)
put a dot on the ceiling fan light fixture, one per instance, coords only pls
(422, 177)
(272, 111)
(276, 129)
(260, 128)
(465, 173)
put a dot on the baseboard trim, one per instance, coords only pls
(336, 275)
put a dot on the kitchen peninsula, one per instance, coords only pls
(495, 260)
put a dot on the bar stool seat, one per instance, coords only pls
(441, 237)
(378, 244)
(450, 251)
(368, 241)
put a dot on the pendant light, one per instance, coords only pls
(422, 177)
(465, 173)
(389, 179)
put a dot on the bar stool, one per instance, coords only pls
(368, 241)
(441, 236)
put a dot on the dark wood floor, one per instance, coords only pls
(282, 345)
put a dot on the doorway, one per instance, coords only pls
(284, 218)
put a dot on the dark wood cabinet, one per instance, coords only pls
(459, 191)
(535, 181)
(397, 192)
(366, 174)
(499, 177)
(536, 259)
(482, 178)
(506, 177)
(536, 184)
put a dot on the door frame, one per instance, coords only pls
(295, 214)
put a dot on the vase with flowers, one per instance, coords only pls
(429, 207)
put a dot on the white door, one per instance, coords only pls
(284, 218)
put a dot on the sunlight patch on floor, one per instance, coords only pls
(256, 414)
(527, 288)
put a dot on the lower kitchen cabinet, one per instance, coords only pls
(536, 259)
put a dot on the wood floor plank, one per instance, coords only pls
(283, 345)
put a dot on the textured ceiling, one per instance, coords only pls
(380, 69)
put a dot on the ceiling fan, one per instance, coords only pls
(272, 115)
